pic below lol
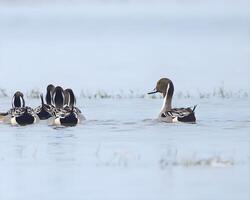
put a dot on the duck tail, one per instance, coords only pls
(194, 108)
(4, 113)
(41, 96)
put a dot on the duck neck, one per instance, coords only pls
(167, 104)
(18, 102)
(48, 98)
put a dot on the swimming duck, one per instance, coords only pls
(65, 117)
(20, 114)
(44, 111)
(168, 114)
(65, 112)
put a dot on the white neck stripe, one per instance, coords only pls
(165, 100)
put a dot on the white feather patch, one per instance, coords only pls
(165, 100)
(13, 121)
(57, 121)
(175, 119)
(13, 105)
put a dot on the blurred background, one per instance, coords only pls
(116, 45)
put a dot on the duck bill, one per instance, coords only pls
(153, 92)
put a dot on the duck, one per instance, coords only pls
(65, 112)
(168, 114)
(20, 114)
(44, 111)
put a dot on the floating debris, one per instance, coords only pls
(215, 161)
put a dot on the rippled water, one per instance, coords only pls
(122, 152)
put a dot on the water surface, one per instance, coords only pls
(122, 152)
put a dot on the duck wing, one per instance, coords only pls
(182, 114)
(16, 111)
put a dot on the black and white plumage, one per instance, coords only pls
(180, 114)
(65, 117)
(65, 113)
(20, 114)
(44, 111)
(167, 113)
(18, 100)
(58, 97)
(48, 97)
(70, 99)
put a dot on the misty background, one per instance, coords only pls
(123, 45)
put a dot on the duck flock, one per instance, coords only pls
(60, 108)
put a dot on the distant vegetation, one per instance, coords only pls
(219, 92)
(3, 93)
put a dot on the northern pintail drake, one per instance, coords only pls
(20, 114)
(168, 114)
(65, 112)
(44, 111)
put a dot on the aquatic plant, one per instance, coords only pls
(34, 94)
(3, 93)
(121, 157)
(219, 92)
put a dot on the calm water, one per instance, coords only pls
(122, 152)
